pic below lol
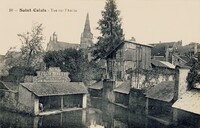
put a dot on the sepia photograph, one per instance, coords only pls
(100, 64)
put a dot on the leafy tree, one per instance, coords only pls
(193, 76)
(30, 55)
(110, 29)
(31, 50)
(72, 61)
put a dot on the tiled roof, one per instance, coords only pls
(164, 91)
(61, 45)
(122, 43)
(98, 85)
(182, 57)
(10, 85)
(163, 64)
(123, 88)
(48, 89)
(190, 102)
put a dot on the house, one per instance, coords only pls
(163, 50)
(189, 50)
(120, 62)
(51, 92)
(159, 101)
(127, 56)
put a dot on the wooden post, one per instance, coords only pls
(36, 106)
(61, 104)
(84, 101)
(147, 106)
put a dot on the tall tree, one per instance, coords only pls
(110, 29)
(32, 49)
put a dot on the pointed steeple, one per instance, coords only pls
(86, 36)
(87, 24)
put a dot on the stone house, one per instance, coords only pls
(52, 89)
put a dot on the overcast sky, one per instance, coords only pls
(149, 21)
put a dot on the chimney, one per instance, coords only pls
(181, 84)
(54, 37)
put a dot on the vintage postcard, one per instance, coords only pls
(100, 64)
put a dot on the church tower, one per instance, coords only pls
(86, 36)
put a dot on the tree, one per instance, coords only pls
(17, 74)
(30, 55)
(31, 50)
(110, 29)
(72, 61)
(193, 76)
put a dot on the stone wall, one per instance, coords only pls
(137, 101)
(151, 78)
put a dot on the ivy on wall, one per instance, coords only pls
(193, 75)
(150, 75)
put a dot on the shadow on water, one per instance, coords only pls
(100, 114)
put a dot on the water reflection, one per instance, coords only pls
(99, 115)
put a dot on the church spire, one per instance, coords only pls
(86, 36)
(87, 24)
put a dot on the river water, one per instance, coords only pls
(99, 114)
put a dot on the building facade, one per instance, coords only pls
(125, 57)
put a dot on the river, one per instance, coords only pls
(99, 114)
